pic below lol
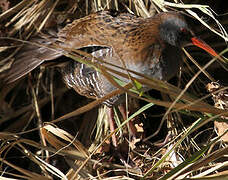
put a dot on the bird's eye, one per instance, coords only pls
(183, 30)
(185, 33)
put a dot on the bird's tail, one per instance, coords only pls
(31, 55)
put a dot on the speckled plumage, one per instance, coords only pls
(115, 38)
(134, 40)
(150, 46)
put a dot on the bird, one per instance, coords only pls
(151, 46)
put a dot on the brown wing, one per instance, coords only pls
(102, 29)
(81, 33)
(30, 56)
(98, 29)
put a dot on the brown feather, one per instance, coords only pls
(125, 40)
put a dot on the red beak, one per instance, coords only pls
(203, 45)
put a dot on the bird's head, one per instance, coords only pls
(174, 30)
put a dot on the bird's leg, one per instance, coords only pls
(167, 139)
(112, 125)
(117, 153)
(132, 128)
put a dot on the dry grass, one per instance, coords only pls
(48, 131)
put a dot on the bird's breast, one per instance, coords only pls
(157, 61)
